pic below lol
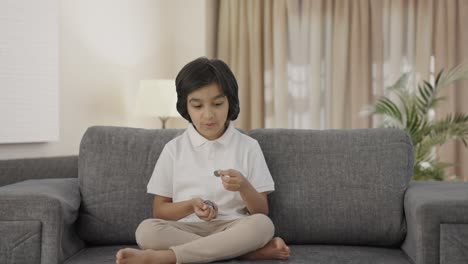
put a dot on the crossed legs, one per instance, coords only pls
(173, 242)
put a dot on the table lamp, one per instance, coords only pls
(157, 98)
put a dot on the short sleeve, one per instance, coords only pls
(160, 182)
(259, 174)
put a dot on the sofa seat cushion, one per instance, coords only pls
(300, 254)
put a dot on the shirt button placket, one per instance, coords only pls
(211, 151)
(211, 159)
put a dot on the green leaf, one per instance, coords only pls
(409, 111)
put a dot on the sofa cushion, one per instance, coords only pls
(310, 254)
(18, 170)
(114, 167)
(338, 186)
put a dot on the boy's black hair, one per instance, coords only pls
(202, 72)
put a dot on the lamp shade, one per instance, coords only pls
(157, 98)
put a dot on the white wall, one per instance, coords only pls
(106, 47)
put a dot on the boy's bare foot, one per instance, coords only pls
(275, 249)
(147, 256)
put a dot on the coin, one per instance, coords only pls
(209, 203)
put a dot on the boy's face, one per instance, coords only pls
(208, 108)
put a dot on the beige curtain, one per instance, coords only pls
(284, 53)
(317, 63)
(240, 45)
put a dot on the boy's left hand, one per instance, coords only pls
(232, 180)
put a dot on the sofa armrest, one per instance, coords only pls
(437, 222)
(37, 217)
(17, 170)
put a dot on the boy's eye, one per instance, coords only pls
(218, 104)
(196, 106)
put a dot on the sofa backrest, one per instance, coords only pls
(338, 186)
(18, 170)
(114, 167)
(332, 187)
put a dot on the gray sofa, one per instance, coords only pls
(342, 196)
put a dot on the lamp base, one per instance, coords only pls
(163, 121)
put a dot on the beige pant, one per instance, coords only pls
(201, 242)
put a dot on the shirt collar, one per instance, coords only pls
(198, 140)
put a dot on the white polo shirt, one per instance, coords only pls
(185, 169)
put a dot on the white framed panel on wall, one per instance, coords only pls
(29, 71)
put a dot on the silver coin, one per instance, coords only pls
(209, 203)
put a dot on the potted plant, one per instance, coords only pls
(412, 107)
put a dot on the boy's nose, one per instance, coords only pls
(209, 114)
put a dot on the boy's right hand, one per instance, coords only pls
(203, 211)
